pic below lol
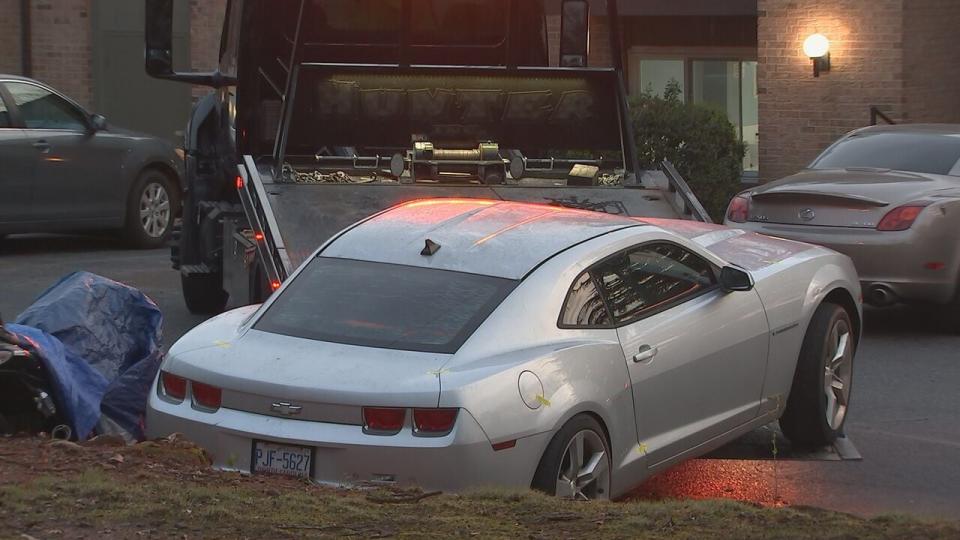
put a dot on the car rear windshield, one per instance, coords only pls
(384, 305)
(931, 153)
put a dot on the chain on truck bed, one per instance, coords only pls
(293, 176)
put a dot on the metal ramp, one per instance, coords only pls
(762, 443)
(309, 214)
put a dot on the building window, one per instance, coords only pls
(655, 76)
(729, 85)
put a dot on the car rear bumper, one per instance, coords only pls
(912, 265)
(345, 456)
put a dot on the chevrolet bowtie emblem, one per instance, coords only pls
(286, 408)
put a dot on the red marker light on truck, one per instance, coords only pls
(275, 285)
(239, 182)
(434, 421)
(258, 236)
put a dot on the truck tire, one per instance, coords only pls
(203, 294)
(820, 395)
(152, 207)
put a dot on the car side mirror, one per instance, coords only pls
(98, 122)
(574, 33)
(734, 279)
(158, 45)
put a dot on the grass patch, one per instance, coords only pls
(248, 507)
(165, 492)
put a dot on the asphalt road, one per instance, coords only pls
(904, 418)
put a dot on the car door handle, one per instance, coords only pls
(646, 354)
(42, 146)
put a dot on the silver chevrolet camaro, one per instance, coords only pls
(455, 343)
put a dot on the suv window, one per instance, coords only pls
(649, 278)
(584, 307)
(383, 305)
(41, 109)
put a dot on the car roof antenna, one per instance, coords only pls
(430, 248)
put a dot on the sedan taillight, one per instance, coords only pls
(383, 420)
(173, 386)
(434, 421)
(901, 218)
(206, 396)
(739, 209)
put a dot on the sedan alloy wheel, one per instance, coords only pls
(838, 372)
(155, 210)
(584, 471)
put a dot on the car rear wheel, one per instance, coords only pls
(576, 464)
(151, 210)
(820, 396)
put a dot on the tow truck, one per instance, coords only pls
(324, 112)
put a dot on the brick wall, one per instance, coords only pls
(931, 61)
(206, 24)
(600, 53)
(62, 50)
(799, 114)
(10, 36)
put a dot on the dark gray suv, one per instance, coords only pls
(63, 169)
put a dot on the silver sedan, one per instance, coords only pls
(887, 196)
(463, 343)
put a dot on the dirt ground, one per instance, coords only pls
(166, 489)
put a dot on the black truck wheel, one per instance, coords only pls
(820, 395)
(151, 210)
(203, 294)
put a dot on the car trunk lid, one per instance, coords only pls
(857, 198)
(306, 379)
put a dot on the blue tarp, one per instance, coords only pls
(100, 342)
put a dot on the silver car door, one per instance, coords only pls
(78, 171)
(17, 164)
(696, 354)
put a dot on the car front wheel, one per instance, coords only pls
(820, 396)
(151, 210)
(576, 464)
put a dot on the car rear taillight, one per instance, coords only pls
(206, 396)
(739, 209)
(383, 420)
(434, 421)
(901, 218)
(173, 386)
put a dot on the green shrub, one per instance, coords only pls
(699, 140)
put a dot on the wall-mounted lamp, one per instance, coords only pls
(817, 48)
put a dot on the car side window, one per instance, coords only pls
(584, 307)
(643, 280)
(42, 109)
(4, 114)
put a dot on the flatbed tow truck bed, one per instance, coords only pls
(291, 220)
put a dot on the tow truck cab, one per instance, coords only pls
(328, 111)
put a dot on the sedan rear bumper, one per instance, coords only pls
(344, 455)
(916, 265)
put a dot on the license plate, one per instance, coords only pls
(282, 459)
